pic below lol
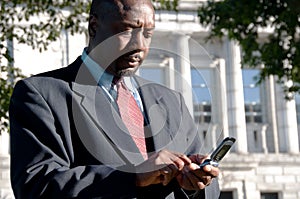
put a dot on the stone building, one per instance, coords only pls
(223, 98)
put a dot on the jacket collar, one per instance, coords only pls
(108, 122)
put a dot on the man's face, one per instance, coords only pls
(123, 37)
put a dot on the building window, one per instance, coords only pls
(269, 195)
(201, 95)
(226, 195)
(253, 113)
(252, 99)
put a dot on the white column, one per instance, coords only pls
(219, 98)
(287, 123)
(270, 112)
(183, 82)
(235, 96)
(4, 143)
(223, 116)
(264, 139)
(170, 73)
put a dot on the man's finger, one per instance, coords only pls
(211, 170)
(181, 160)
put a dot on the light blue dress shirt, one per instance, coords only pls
(105, 79)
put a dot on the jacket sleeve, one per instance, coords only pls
(41, 165)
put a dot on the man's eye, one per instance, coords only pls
(148, 34)
(127, 32)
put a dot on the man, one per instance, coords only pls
(70, 135)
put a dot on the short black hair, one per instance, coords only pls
(104, 8)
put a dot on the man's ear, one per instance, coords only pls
(93, 24)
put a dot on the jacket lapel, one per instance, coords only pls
(93, 102)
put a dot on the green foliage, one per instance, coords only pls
(50, 18)
(7, 80)
(38, 23)
(242, 21)
(166, 4)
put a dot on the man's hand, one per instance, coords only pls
(161, 167)
(194, 178)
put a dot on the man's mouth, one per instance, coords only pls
(128, 64)
(133, 60)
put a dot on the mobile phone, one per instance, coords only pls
(218, 154)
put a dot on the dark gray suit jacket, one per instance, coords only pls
(67, 140)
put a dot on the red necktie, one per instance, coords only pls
(131, 116)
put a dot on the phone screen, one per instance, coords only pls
(221, 153)
(222, 149)
(218, 154)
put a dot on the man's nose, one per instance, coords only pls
(139, 41)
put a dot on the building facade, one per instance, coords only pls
(223, 99)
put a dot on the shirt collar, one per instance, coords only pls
(103, 78)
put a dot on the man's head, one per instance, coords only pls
(120, 34)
